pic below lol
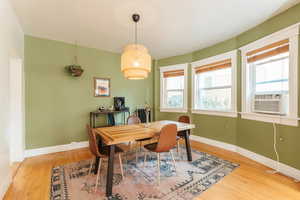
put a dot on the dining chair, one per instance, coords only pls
(184, 119)
(133, 119)
(166, 141)
(180, 134)
(102, 152)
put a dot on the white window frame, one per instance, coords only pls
(229, 55)
(164, 108)
(291, 33)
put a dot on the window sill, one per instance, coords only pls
(216, 113)
(290, 121)
(173, 110)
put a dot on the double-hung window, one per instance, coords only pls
(173, 88)
(214, 88)
(270, 79)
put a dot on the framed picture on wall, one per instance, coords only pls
(102, 87)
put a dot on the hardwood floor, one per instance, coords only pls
(248, 182)
(14, 168)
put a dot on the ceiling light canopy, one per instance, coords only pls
(135, 59)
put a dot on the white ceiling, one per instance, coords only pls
(167, 27)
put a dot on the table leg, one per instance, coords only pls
(96, 164)
(187, 145)
(94, 121)
(110, 171)
(91, 121)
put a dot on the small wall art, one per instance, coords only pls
(102, 87)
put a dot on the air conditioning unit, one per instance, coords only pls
(275, 104)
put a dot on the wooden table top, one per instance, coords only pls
(127, 133)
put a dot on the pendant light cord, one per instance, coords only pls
(77, 6)
(76, 51)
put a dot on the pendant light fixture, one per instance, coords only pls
(135, 59)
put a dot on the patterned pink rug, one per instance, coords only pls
(72, 182)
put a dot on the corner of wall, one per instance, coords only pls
(4, 185)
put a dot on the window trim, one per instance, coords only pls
(228, 55)
(184, 109)
(291, 33)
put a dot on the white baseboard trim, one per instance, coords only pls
(54, 149)
(4, 184)
(283, 168)
(223, 145)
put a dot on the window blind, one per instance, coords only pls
(270, 50)
(213, 66)
(173, 73)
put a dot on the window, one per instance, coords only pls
(270, 78)
(214, 85)
(271, 75)
(269, 68)
(174, 91)
(173, 88)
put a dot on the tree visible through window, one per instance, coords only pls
(213, 85)
(174, 91)
(173, 88)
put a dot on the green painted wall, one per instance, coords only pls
(252, 135)
(58, 105)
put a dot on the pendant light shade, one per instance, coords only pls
(135, 62)
(135, 59)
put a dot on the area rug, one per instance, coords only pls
(72, 181)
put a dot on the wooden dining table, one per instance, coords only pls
(114, 135)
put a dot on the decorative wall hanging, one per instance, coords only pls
(75, 69)
(135, 59)
(102, 87)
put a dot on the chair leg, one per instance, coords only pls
(130, 146)
(91, 165)
(126, 159)
(136, 155)
(125, 154)
(173, 162)
(145, 157)
(121, 166)
(98, 174)
(178, 148)
(158, 168)
(130, 149)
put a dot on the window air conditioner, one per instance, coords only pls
(275, 104)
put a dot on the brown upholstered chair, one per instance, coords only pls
(101, 153)
(133, 119)
(166, 141)
(184, 119)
